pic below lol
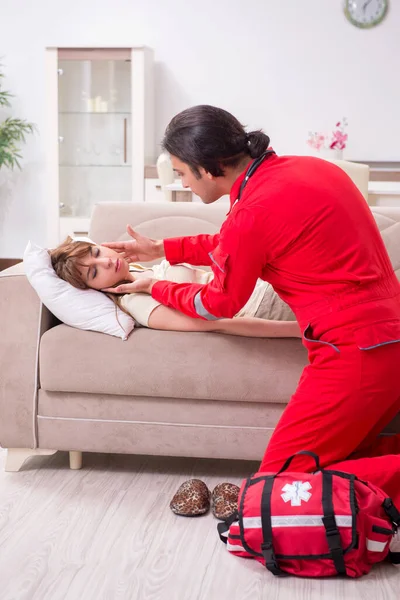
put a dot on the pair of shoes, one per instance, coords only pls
(193, 498)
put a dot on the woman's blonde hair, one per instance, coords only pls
(66, 261)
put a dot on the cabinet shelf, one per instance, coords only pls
(93, 112)
(127, 166)
(100, 123)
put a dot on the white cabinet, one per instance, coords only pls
(153, 191)
(100, 132)
(384, 193)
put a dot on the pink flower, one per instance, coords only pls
(316, 140)
(335, 140)
(339, 140)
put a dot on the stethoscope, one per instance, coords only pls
(251, 170)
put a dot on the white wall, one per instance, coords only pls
(285, 65)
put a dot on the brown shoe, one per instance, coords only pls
(224, 500)
(191, 499)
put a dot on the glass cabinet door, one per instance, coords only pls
(94, 124)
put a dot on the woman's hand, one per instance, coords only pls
(141, 248)
(140, 286)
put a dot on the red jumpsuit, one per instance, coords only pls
(302, 225)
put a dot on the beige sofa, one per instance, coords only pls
(160, 393)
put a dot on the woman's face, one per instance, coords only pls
(103, 268)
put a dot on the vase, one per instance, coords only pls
(331, 153)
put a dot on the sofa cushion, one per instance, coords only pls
(158, 220)
(170, 364)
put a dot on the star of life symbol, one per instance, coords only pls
(296, 492)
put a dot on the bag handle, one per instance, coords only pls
(392, 512)
(267, 546)
(394, 558)
(304, 453)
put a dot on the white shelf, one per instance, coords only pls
(73, 226)
(80, 186)
(385, 187)
(127, 166)
(93, 112)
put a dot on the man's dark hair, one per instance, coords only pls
(212, 138)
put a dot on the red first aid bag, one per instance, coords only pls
(311, 524)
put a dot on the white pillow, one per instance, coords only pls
(83, 309)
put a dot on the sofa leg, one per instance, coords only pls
(17, 456)
(75, 460)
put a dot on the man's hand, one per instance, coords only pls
(141, 248)
(140, 286)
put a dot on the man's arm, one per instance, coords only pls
(236, 262)
(190, 249)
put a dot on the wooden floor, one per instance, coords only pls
(106, 533)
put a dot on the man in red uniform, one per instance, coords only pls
(301, 224)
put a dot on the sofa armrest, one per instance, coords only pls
(23, 320)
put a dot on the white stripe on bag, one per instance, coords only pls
(376, 546)
(297, 520)
(235, 548)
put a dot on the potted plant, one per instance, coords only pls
(12, 133)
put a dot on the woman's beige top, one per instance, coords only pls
(140, 306)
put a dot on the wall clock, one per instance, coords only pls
(365, 13)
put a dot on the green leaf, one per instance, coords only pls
(13, 132)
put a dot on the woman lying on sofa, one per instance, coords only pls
(86, 265)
